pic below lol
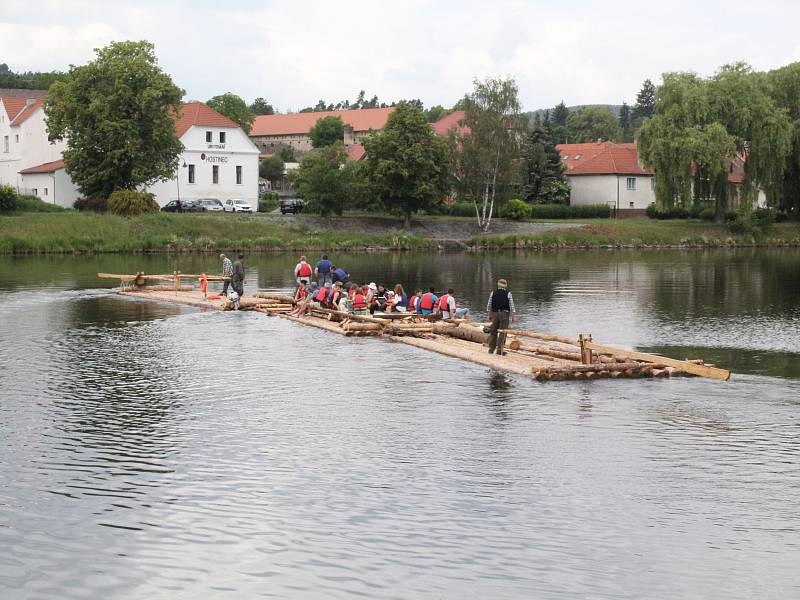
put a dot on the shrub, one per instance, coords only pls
(94, 203)
(707, 214)
(756, 223)
(268, 202)
(565, 211)
(666, 213)
(764, 219)
(8, 198)
(517, 210)
(129, 203)
(461, 209)
(29, 203)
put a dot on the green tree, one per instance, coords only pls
(435, 113)
(645, 103)
(326, 132)
(558, 122)
(287, 154)
(261, 107)
(29, 80)
(117, 114)
(542, 169)
(591, 123)
(701, 125)
(233, 107)
(271, 168)
(406, 164)
(625, 123)
(785, 91)
(485, 155)
(322, 181)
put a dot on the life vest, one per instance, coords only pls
(412, 303)
(304, 270)
(426, 303)
(359, 301)
(443, 303)
(321, 295)
(203, 283)
(301, 293)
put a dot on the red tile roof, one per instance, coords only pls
(48, 167)
(356, 152)
(14, 105)
(362, 119)
(197, 113)
(601, 158)
(452, 121)
(26, 113)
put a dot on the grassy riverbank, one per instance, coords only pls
(89, 232)
(639, 233)
(73, 232)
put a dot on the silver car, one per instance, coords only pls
(211, 204)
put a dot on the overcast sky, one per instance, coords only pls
(295, 52)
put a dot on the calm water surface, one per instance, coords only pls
(161, 452)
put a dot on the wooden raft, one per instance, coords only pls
(543, 356)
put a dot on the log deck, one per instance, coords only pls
(546, 360)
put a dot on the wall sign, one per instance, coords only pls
(213, 158)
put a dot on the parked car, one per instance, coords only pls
(183, 206)
(237, 205)
(291, 205)
(211, 204)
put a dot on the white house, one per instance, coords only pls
(218, 160)
(607, 173)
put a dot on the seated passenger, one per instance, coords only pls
(427, 302)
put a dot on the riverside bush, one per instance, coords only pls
(517, 210)
(565, 211)
(128, 203)
(27, 203)
(268, 202)
(93, 203)
(8, 198)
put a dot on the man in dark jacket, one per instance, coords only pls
(237, 276)
(500, 307)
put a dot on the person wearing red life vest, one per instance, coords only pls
(448, 306)
(321, 295)
(427, 302)
(302, 271)
(360, 302)
(414, 301)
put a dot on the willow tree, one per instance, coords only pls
(485, 152)
(786, 93)
(701, 125)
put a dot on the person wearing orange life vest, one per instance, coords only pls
(302, 302)
(427, 302)
(448, 308)
(360, 302)
(414, 301)
(204, 284)
(321, 295)
(302, 271)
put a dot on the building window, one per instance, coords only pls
(16, 139)
(221, 137)
(652, 183)
(209, 139)
(631, 204)
(5, 144)
(631, 184)
(35, 191)
(191, 173)
(215, 174)
(238, 175)
(45, 191)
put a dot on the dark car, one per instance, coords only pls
(291, 205)
(183, 206)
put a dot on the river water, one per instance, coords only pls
(161, 452)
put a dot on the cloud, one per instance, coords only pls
(294, 53)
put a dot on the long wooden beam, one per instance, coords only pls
(541, 336)
(159, 277)
(683, 365)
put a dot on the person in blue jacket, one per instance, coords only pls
(323, 271)
(339, 274)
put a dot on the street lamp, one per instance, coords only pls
(178, 181)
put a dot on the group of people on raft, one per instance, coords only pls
(329, 286)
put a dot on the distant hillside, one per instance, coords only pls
(614, 108)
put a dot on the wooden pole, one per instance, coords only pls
(683, 365)
(541, 336)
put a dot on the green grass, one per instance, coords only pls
(639, 233)
(75, 232)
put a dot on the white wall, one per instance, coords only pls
(237, 150)
(602, 189)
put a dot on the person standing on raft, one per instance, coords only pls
(237, 276)
(500, 307)
(227, 271)
(302, 272)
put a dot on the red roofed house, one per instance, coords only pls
(607, 173)
(270, 132)
(218, 160)
(455, 120)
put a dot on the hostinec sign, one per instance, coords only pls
(213, 158)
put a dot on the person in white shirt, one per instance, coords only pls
(302, 272)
